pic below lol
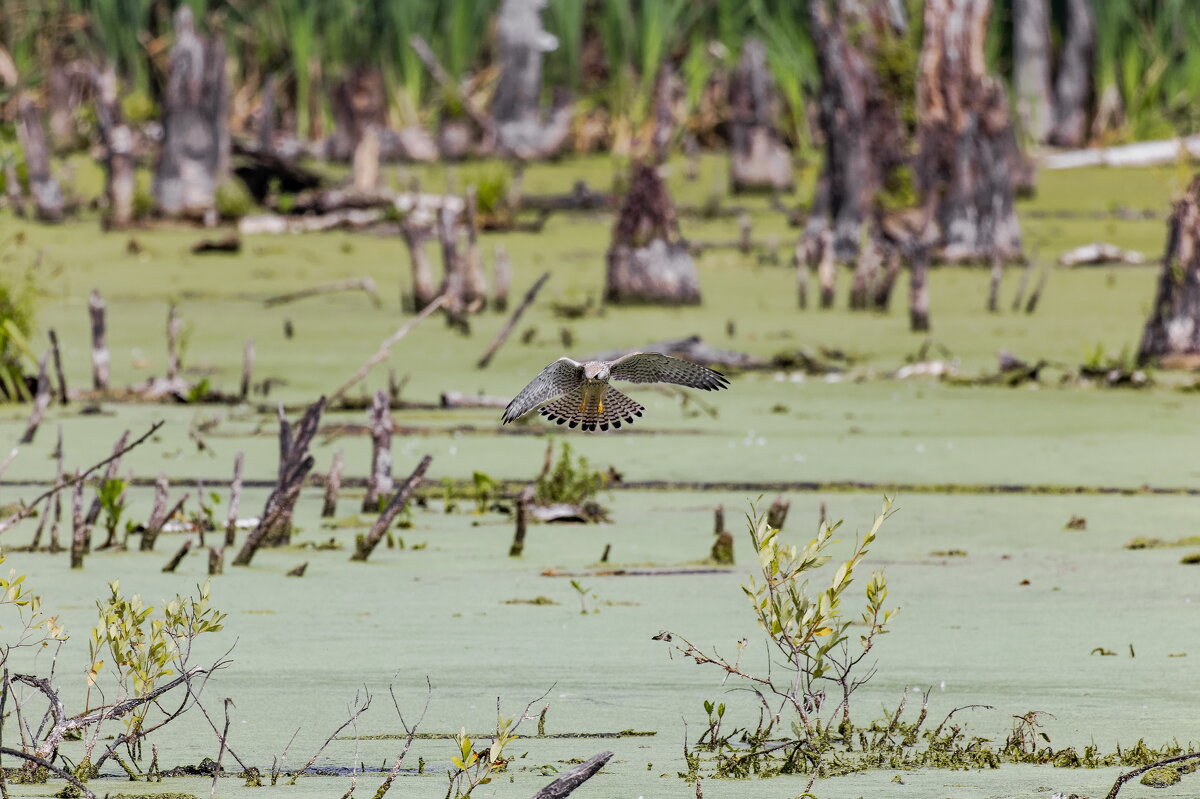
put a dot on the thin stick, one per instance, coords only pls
(110, 473)
(507, 330)
(356, 711)
(26, 510)
(174, 327)
(247, 369)
(235, 498)
(364, 284)
(386, 347)
(41, 401)
(46, 764)
(410, 731)
(178, 557)
(1031, 306)
(366, 544)
(58, 370)
(8, 461)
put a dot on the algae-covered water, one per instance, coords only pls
(1012, 623)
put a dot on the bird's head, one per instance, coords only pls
(595, 370)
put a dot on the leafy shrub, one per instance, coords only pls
(570, 480)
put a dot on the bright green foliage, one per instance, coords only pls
(474, 767)
(570, 480)
(233, 201)
(16, 322)
(485, 492)
(146, 646)
(111, 494)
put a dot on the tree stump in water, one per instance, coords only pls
(1032, 67)
(759, 160)
(968, 163)
(47, 196)
(1174, 325)
(521, 41)
(648, 262)
(116, 139)
(866, 142)
(359, 102)
(1074, 84)
(195, 148)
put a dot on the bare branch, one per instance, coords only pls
(355, 712)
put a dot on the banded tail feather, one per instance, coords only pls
(591, 411)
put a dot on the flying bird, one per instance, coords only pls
(579, 395)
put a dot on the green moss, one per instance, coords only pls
(233, 201)
(1161, 777)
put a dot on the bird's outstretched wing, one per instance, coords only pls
(555, 380)
(654, 367)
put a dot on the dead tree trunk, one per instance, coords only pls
(1031, 67)
(416, 236)
(648, 261)
(967, 163)
(47, 196)
(918, 290)
(521, 519)
(501, 278)
(475, 282)
(216, 561)
(96, 308)
(274, 525)
(365, 545)
(379, 483)
(110, 473)
(41, 401)
(1174, 324)
(79, 529)
(333, 486)
(60, 378)
(359, 102)
(1075, 83)
(865, 139)
(174, 328)
(195, 147)
(247, 369)
(521, 40)
(777, 513)
(235, 499)
(759, 160)
(158, 514)
(178, 557)
(116, 139)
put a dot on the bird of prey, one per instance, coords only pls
(578, 394)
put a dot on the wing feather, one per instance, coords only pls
(654, 367)
(555, 380)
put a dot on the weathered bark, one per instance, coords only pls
(178, 557)
(379, 483)
(364, 170)
(1032, 67)
(968, 162)
(1174, 324)
(195, 147)
(61, 379)
(41, 401)
(1075, 82)
(568, 782)
(521, 40)
(918, 291)
(668, 94)
(457, 290)
(79, 529)
(275, 524)
(777, 513)
(648, 262)
(96, 309)
(158, 514)
(521, 517)
(416, 237)
(865, 139)
(759, 160)
(365, 545)
(333, 486)
(47, 196)
(235, 499)
(216, 561)
(116, 139)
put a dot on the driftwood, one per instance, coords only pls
(41, 401)
(47, 196)
(333, 486)
(274, 525)
(385, 349)
(1174, 325)
(648, 262)
(364, 284)
(508, 328)
(586, 513)
(235, 499)
(454, 400)
(100, 359)
(195, 146)
(379, 481)
(1100, 252)
(351, 219)
(691, 349)
(1146, 153)
(365, 545)
(564, 785)
(580, 198)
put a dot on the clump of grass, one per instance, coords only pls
(570, 480)
(233, 201)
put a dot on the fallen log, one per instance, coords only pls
(352, 219)
(1146, 153)
(364, 284)
(1100, 252)
(365, 544)
(453, 399)
(229, 244)
(564, 785)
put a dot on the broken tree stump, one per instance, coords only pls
(968, 164)
(333, 486)
(565, 784)
(648, 262)
(216, 561)
(47, 195)
(521, 518)
(501, 278)
(275, 524)
(195, 145)
(235, 499)
(96, 309)
(1074, 84)
(1173, 328)
(521, 41)
(365, 545)
(416, 236)
(116, 141)
(247, 370)
(56, 353)
(79, 529)
(178, 557)
(379, 482)
(41, 401)
(158, 514)
(759, 160)
(777, 513)
(722, 548)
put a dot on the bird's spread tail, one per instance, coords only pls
(576, 409)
